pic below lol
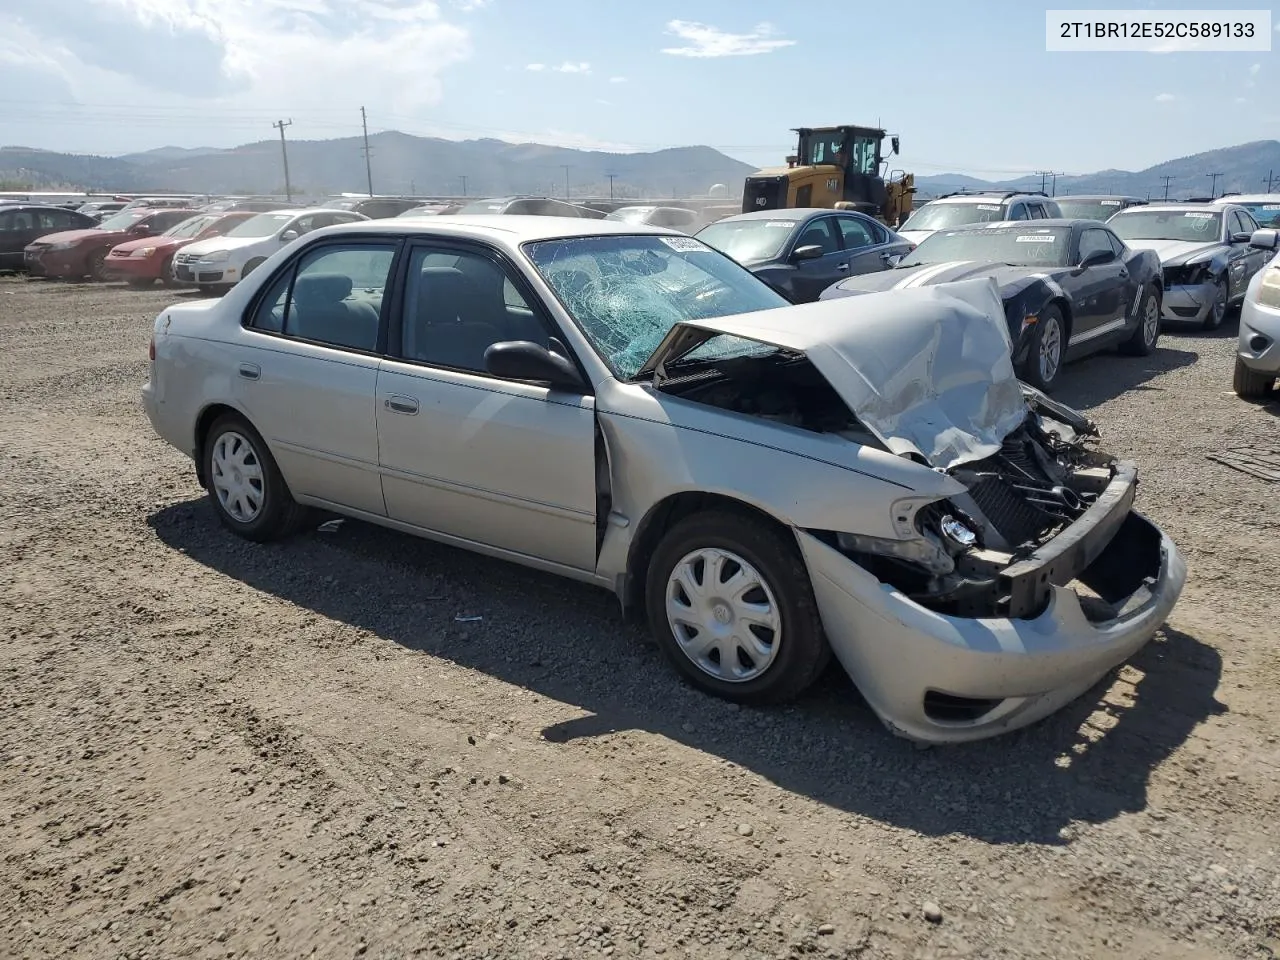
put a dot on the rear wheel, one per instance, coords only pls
(1048, 345)
(1250, 383)
(1144, 338)
(730, 604)
(1218, 311)
(252, 265)
(245, 486)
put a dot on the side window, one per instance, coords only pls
(1093, 240)
(8, 222)
(818, 233)
(333, 296)
(1035, 211)
(452, 314)
(1116, 243)
(53, 220)
(1017, 212)
(855, 233)
(334, 218)
(303, 224)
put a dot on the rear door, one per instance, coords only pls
(865, 245)
(814, 276)
(306, 369)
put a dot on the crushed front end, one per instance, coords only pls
(1014, 597)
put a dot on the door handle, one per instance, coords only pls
(842, 266)
(1124, 274)
(250, 371)
(401, 404)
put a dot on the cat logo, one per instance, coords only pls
(833, 184)
(761, 201)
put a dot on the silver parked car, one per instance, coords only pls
(1258, 347)
(1204, 253)
(628, 407)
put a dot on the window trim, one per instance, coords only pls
(1080, 244)
(805, 225)
(868, 228)
(456, 246)
(291, 268)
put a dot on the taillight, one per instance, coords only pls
(151, 352)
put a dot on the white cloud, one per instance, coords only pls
(617, 79)
(536, 67)
(1253, 70)
(1165, 98)
(466, 6)
(1242, 99)
(607, 103)
(568, 67)
(708, 41)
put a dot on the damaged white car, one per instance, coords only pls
(767, 483)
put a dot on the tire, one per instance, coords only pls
(1144, 339)
(1049, 325)
(1217, 312)
(167, 278)
(235, 450)
(96, 265)
(251, 266)
(782, 664)
(1250, 383)
(140, 283)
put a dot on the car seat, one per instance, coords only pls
(321, 311)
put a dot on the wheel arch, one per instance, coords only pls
(204, 423)
(660, 518)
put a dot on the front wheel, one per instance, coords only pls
(167, 277)
(1143, 341)
(1218, 311)
(1250, 383)
(1048, 344)
(245, 486)
(252, 265)
(96, 265)
(729, 602)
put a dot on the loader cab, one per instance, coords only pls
(831, 165)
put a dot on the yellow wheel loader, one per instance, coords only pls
(835, 167)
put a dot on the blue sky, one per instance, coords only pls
(970, 88)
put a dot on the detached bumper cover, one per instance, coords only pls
(898, 652)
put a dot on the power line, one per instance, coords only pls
(368, 168)
(284, 154)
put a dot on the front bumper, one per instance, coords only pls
(1188, 304)
(55, 263)
(906, 659)
(1259, 344)
(203, 272)
(134, 268)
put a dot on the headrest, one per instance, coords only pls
(315, 289)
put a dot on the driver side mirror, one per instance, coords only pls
(1097, 258)
(893, 142)
(289, 236)
(1265, 239)
(810, 251)
(525, 360)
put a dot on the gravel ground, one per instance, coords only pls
(215, 749)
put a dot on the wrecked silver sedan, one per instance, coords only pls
(768, 484)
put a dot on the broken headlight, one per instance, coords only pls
(932, 534)
(1269, 288)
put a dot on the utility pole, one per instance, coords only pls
(1166, 180)
(284, 154)
(1044, 175)
(368, 168)
(612, 175)
(463, 178)
(1213, 191)
(413, 188)
(1269, 179)
(566, 180)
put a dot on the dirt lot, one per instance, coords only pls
(213, 749)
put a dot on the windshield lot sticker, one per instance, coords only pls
(781, 224)
(684, 244)
(1111, 203)
(988, 206)
(1271, 206)
(1200, 216)
(1036, 238)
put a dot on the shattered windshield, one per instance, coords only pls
(1190, 225)
(1020, 246)
(626, 293)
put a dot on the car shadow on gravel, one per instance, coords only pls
(1094, 380)
(566, 641)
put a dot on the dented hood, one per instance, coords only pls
(927, 370)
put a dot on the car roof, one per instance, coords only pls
(792, 213)
(510, 230)
(1099, 196)
(24, 205)
(1171, 207)
(1247, 198)
(1023, 225)
(993, 197)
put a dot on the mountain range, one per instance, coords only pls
(399, 164)
(405, 164)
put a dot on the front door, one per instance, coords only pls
(1099, 301)
(814, 276)
(507, 464)
(307, 368)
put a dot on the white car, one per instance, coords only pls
(1258, 345)
(963, 209)
(221, 262)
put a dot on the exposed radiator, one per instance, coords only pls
(1015, 519)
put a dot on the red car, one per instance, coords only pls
(78, 253)
(142, 262)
